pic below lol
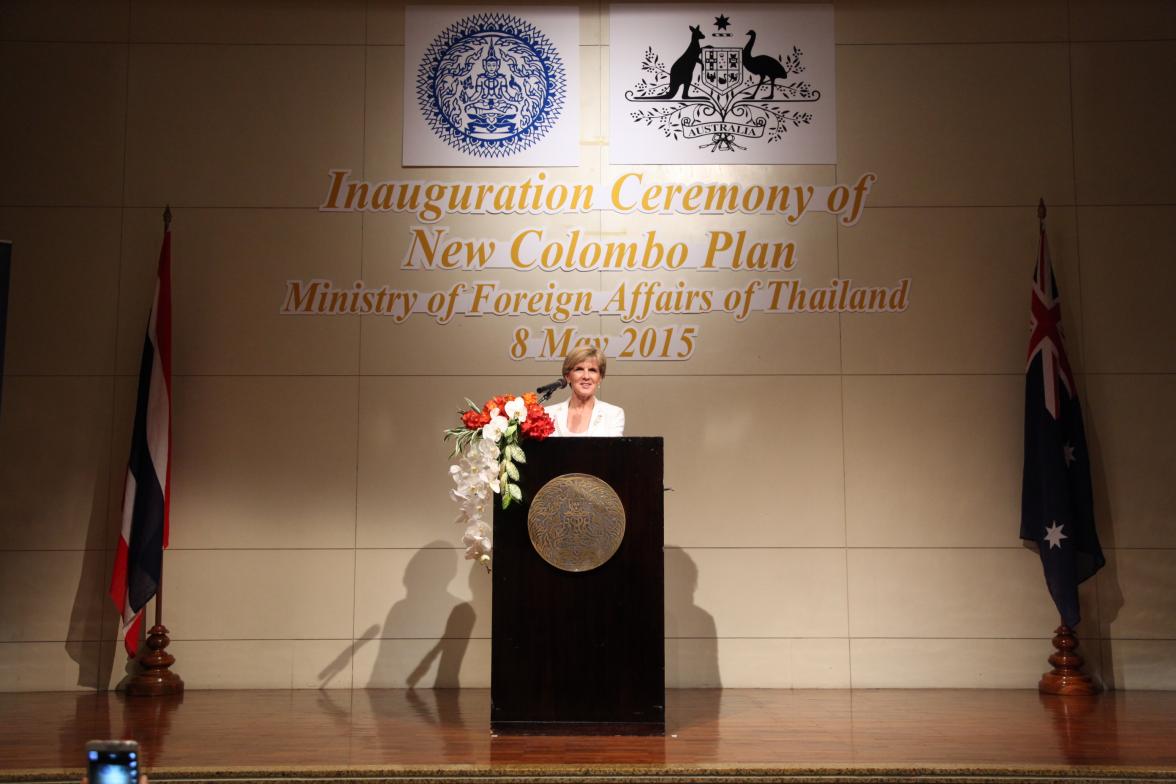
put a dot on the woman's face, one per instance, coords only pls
(584, 378)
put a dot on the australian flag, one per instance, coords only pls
(1057, 511)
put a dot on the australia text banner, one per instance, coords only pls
(490, 87)
(703, 83)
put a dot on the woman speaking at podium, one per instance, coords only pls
(583, 414)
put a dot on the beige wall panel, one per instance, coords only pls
(443, 664)
(64, 20)
(933, 461)
(43, 666)
(928, 21)
(54, 463)
(956, 125)
(248, 22)
(1122, 127)
(1137, 595)
(768, 592)
(961, 593)
(229, 273)
(259, 594)
(955, 663)
(1140, 664)
(1125, 269)
(142, 240)
(241, 126)
(264, 462)
(420, 594)
(385, 23)
(383, 115)
(1132, 451)
(385, 20)
(404, 477)
(790, 495)
(693, 662)
(51, 596)
(67, 147)
(383, 118)
(1124, 20)
(64, 289)
(593, 95)
(263, 664)
(971, 273)
(759, 664)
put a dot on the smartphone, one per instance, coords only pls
(113, 761)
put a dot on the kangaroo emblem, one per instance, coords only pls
(682, 71)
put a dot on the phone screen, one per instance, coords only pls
(108, 766)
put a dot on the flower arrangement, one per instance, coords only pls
(487, 445)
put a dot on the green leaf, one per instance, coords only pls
(511, 471)
(517, 454)
(510, 431)
(514, 491)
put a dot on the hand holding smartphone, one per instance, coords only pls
(113, 762)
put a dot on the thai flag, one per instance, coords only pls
(138, 563)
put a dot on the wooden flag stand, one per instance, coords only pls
(1066, 677)
(157, 679)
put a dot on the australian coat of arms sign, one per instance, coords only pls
(724, 84)
(488, 86)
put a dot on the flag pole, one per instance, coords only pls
(157, 679)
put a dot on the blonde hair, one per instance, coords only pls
(581, 354)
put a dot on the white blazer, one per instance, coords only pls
(607, 420)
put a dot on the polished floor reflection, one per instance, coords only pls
(706, 729)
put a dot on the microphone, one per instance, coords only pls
(547, 390)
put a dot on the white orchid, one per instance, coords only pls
(516, 409)
(476, 480)
(487, 465)
(495, 429)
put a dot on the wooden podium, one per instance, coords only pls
(582, 651)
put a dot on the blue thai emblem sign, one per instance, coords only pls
(748, 84)
(491, 88)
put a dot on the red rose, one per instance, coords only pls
(538, 425)
(499, 402)
(475, 420)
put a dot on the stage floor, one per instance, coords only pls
(711, 735)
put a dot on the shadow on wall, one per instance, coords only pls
(1108, 593)
(91, 623)
(692, 645)
(426, 582)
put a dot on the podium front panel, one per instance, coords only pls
(582, 648)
